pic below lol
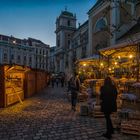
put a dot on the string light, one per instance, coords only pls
(130, 56)
(119, 57)
(101, 64)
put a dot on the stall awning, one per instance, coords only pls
(119, 48)
(16, 69)
(88, 59)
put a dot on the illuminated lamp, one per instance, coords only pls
(130, 56)
(119, 57)
(115, 63)
(84, 64)
(101, 64)
(14, 41)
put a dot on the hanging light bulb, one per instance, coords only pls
(130, 56)
(101, 64)
(84, 64)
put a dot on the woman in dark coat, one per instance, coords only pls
(108, 104)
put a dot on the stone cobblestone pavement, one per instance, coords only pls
(48, 116)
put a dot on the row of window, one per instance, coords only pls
(41, 66)
(18, 59)
(41, 51)
(69, 23)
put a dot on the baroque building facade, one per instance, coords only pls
(108, 22)
(71, 42)
(52, 59)
(65, 27)
(79, 45)
(23, 52)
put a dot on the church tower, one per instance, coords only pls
(65, 26)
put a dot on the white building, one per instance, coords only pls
(52, 59)
(16, 51)
(23, 52)
(41, 54)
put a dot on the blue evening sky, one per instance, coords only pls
(36, 18)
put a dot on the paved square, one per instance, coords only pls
(48, 116)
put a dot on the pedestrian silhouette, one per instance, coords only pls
(57, 82)
(74, 85)
(52, 82)
(62, 82)
(108, 104)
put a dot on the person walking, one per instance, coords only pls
(74, 85)
(57, 81)
(62, 81)
(52, 82)
(108, 104)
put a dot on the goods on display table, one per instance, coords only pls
(82, 96)
(130, 121)
(94, 102)
(130, 112)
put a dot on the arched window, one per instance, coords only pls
(100, 24)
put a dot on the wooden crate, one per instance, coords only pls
(131, 105)
(97, 112)
(131, 127)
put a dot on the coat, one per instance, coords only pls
(74, 86)
(108, 99)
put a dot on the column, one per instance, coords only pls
(114, 20)
(90, 39)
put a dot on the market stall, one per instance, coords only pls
(12, 89)
(123, 65)
(91, 72)
(90, 68)
(122, 61)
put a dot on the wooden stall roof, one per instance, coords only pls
(89, 59)
(16, 68)
(119, 48)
